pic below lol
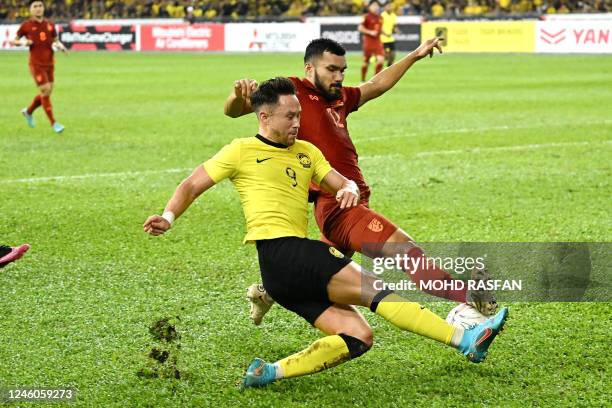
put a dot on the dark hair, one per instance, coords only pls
(374, 1)
(317, 47)
(34, 1)
(268, 92)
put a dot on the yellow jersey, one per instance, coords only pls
(389, 21)
(272, 181)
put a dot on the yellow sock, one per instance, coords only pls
(415, 318)
(320, 355)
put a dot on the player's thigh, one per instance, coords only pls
(360, 229)
(40, 75)
(345, 319)
(350, 286)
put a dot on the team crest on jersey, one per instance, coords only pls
(336, 253)
(375, 225)
(304, 160)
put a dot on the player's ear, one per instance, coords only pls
(308, 68)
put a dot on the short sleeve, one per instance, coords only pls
(320, 165)
(351, 98)
(22, 31)
(225, 163)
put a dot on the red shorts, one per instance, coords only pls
(42, 74)
(372, 49)
(349, 229)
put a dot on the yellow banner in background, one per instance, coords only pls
(483, 36)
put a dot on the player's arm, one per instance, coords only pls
(18, 42)
(198, 182)
(387, 78)
(346, 191)
(238, 103)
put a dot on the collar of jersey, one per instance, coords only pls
(271, 143)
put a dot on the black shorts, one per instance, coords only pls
(295, 272)
(389, 46)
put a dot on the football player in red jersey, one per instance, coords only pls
(41, 37)
(370, 27)
(326, 103)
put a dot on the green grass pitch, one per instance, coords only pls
(465, 147)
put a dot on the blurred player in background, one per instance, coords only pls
(41, 37)
(370, 27)
(389, 27)
(326, 103)
(9, 254)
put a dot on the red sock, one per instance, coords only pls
(429, 272)
(35, 104)
(379, 67)
(46, 104)
(364, 71)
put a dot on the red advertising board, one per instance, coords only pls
(182, 37)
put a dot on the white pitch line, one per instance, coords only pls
(91, 175)
(420, 154)
(477, 150)
(479, 129)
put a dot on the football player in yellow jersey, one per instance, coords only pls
(389, 27)
(271, 172)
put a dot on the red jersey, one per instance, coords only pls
(372, 22)
(42, 34)
(323, 123)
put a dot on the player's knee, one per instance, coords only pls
(357, 346)
(45, 90)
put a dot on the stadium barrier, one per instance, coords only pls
(483, 36)
(98, 37)
(574, 36)
(344, 30)
(270, 37)
(553, 35)
(7, 33)
(182, 37)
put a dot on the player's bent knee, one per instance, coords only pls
(356, 346)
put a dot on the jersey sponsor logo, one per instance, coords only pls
(304, 160)
(375, 225)
(263, 160)
(336, 253)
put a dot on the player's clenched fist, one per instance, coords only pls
(243, 88)
(156, 225)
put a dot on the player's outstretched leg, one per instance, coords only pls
(8, 254)
(351, 286)
(260, 302)
(348, 336)
(472, 343)
(324, 353)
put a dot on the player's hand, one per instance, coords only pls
(156, 225)
(62, 47)
(243, 88)
(348, 196)
(427, 48)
